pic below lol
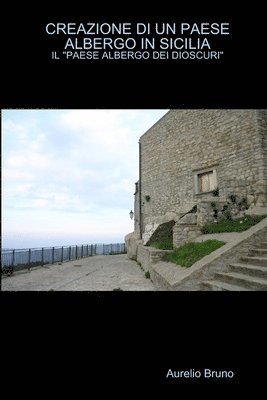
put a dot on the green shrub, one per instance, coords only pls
(189, 253)
(147, 274)
(216, 192)
(163, 244)
(230, 225)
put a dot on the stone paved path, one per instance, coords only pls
(98, 273)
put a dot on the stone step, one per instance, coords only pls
(263, 245)
(255, 260)
(258, 252)
(249, 269)
(236, 278)
(222, 286)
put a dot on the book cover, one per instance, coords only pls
(98, 57)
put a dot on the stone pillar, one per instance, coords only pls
(185, 230)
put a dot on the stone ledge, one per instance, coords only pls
(148, 256)
(257, 211)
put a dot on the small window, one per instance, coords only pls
(205, 181)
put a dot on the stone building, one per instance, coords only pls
(190, 158)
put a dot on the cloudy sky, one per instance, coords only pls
(68, 175)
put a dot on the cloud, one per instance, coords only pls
(74, 165)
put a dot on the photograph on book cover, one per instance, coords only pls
(134, 189)
(137, 199)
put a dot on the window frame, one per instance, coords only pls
(202, 172)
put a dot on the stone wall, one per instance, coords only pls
(185, 142)
(262, 183)
(148, 256)
(215, 209)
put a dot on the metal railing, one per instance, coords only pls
(27, 258)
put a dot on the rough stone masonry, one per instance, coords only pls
(189, 154)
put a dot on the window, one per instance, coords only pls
(205, 181)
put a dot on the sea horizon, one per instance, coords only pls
(35, 244)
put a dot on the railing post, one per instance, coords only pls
(53, 255)
(13, 258)
(76, 253)
(82, 252)
(62, 250)
(42, 259)
(69, 253)
(29, 260)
